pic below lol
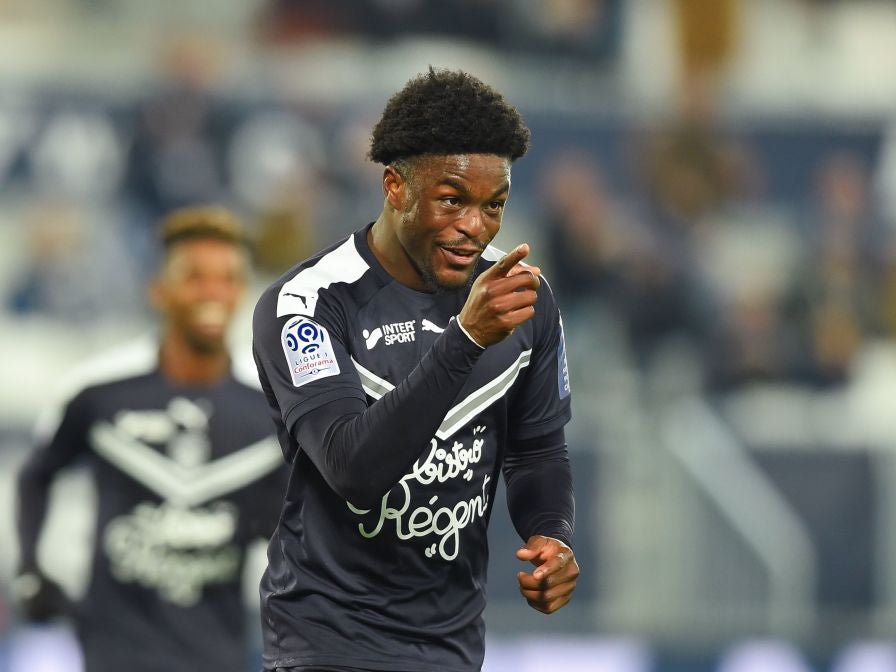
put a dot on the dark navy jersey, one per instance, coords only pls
(186, 478)
(401, 585)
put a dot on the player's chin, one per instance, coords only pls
(453, 279)
(207, 340)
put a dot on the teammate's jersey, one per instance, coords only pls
(400, 586)
(186, 478)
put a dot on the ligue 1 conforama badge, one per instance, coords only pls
(309, 351)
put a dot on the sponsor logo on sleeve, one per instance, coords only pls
(309, 351)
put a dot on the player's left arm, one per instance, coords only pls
(542, 508)
(536, 465)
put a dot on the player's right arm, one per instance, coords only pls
(362, 451)
(39, 598)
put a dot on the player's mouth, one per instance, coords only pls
(211, 316)
(461, 255)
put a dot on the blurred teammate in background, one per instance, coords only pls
(176, 437)
(405, 366)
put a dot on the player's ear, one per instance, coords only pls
(394, 188)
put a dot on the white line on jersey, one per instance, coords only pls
(476, 402)
(179, 484)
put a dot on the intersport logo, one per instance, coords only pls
(397, 332)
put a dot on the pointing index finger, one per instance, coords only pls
(511, 259)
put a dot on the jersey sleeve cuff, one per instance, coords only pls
(467, 334)
(565, 539)
(455, 349)
(558, 530)
(522, 432)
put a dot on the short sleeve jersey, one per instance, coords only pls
(400, 586)
(186, 478)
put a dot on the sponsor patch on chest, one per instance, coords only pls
(309, 351)
(390, 334)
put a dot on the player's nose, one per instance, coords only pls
(471, 225)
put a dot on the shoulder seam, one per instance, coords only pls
(299, 295)
(138, 357)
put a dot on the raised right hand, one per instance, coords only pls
(501, 299)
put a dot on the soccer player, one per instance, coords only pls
(406, 366)
(187, 470)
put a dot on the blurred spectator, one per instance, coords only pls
(295, 21)
(351, 186)
(463, 19)
(843, 217)
(888, 291)
(275, 159)
(61, 277)
(78, 154)
(685, 162)
(175, 156)
(282, 231)
(600, 252)
(843, 268)
(583, 28)
(688, 171)
(707, 35)
(748, 251)
(754, 343)
(688, 168)
(18, 121)
(885, 177)
(586, 232)
(269, 152)
(660, 297)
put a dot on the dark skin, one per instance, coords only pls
(196, 293)
(438, 216)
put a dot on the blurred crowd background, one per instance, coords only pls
(711, 191)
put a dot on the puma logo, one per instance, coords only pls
(430, 326)
(303, 298)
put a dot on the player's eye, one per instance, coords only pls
(496, 206)
(451, 200)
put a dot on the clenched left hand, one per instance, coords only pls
(551, 584)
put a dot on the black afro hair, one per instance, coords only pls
(448, 112)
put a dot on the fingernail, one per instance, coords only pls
(538, 574)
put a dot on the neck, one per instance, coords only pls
(183, 364)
